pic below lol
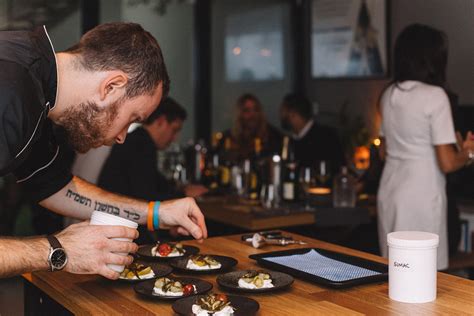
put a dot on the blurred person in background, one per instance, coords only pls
(418, 140)
(312, 141)
(250, 123)
(131, 167)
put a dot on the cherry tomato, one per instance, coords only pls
(222, 297)
(188, 289)
(164, 250)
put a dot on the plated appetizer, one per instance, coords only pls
(202, 262)
(256, 280)
(169, 287)
(168, 250)
(213, 304)
(137, 271)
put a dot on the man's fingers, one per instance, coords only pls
(199, 220)
(122, 246)
(109, 273)
(121, 260)
(192, 228)
(182, 231)
(120, 232)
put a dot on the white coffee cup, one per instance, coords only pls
(101, 218)
(412, 266)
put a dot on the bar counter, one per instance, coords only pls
(251, 216)
(86, 294)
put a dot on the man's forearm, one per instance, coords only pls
(18, 256)
(80, 198)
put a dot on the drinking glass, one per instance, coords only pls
(307, 180)
(267, 196)
(323, 173)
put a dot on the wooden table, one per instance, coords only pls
(82, 294)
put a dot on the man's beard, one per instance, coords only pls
(86, 124)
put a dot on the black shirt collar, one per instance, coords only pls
(45, 69)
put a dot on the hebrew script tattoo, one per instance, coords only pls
(101, 206)
(79, 198)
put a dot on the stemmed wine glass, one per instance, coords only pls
(323, 173)
(307, 180)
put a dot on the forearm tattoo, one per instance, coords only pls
(102, 207)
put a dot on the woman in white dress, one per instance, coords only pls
(419, 142)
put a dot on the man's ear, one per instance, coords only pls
(113, 84)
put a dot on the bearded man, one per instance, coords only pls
(113, 77)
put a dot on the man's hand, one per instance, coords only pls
(183, 215)
(195, 190)
(89, 248)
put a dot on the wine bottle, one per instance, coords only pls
(225, 165)
(211, 170)
(344, 190)
(255, 177)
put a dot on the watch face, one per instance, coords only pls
(58, 258)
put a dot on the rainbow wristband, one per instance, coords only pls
(156, 218)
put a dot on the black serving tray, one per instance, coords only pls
(357, 261)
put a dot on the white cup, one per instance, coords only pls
(412, 266)
(101, 218)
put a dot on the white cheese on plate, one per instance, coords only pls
(149, 275)
(226, 311)
(159, 291)
(266, 285)
(192, 266)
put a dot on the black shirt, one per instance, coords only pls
(131, 169)
(28, 83)
(320, 143)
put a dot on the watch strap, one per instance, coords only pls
(54, 242)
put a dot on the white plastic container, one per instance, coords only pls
(412, 266)
(101, 218)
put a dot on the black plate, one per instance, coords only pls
(146, 288)
(244, 306)
(230, 281)
(227, 263)
(357, 261)
(145, 252)
(160, 270)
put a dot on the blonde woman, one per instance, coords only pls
(250, 123)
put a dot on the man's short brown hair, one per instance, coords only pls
(126, 47)
(168, 108)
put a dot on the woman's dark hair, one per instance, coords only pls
(421, 54)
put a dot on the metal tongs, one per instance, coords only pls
(259, 241)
